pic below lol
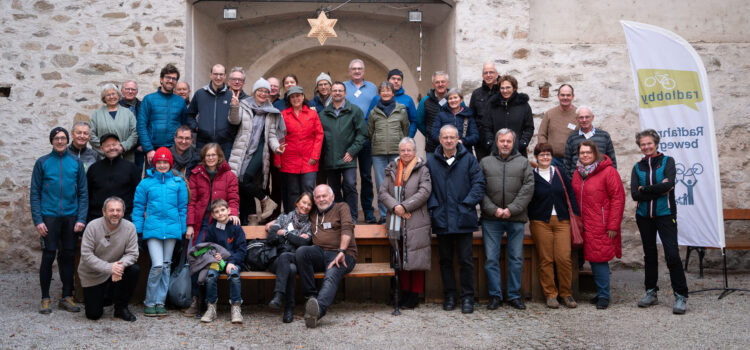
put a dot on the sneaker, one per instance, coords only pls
(210, 314)
(150, 311)
(649, 299)
(552, 303)
(68, 304)
(680, 304)
(161, 310)
(569, 302)
(45, 308)
(312, 313)
(236, 313)
(268, 206)
(193, 309)
(602, 303)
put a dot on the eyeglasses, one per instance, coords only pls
(489, 73)
(112, 94)
(170, 78)
(262, 91)
(211, 155)
(356, 68)
(130, 90)
(236, 80)
(184, 139)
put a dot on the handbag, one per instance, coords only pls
(260, 255)
(180, 284)
(576, 223)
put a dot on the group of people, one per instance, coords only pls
(143, 180)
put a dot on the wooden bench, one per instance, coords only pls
(733, 243)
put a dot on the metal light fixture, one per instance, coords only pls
(230, 13)
(415, 16)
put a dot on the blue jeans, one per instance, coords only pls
(348, 185)
(235, 286)
(379, 163)
(365, 176)
(492, 235)
(601, 279)
(158, 277)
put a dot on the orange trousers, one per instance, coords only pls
(553, 246)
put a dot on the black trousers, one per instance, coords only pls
(285, 269)
(313, 258)
(462, 244)
(61, 240)
(666, 227)
(119, 293)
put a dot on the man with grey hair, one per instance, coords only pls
(334, 251)
(360, 92)
(430, 105)
(480, 102)
(601, 138)
(275, 94)
(208, 112)
(457, 187)
(78, 147)
(510, 186)
(108, 269)
(130, 101)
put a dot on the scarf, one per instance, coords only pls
(181, 161)
(387, 106)
(586, 170)
(259, 119)
(301, 222)
(403, 173)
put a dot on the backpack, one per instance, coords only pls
(259, 255)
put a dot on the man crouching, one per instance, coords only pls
(333, 251)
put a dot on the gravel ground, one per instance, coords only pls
(709, 323)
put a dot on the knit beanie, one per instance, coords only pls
(261, 83)
(323, 76)
(163, 153)
(395, 72)
(55, 131)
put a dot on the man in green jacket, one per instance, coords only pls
(345, 132)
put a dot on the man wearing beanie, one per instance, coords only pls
(322, 92)
(209, 108)
(396, 77)
(59, 202)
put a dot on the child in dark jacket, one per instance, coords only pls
(230, 236)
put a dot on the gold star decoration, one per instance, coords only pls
(322, 28)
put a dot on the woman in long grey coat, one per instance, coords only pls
(405, 191)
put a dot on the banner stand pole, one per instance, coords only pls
(726, 290)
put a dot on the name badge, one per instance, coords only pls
(356, 94)
(221, 226)
(443, 101)
(326, 225)
(571, 126)
(290, 228)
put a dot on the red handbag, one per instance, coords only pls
(576, 223)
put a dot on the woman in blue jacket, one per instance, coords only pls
(159, 214)
(457, 114)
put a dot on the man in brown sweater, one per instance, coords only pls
(558, 123)
(333, 251)
(107, 270)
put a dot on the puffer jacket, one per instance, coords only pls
(159, 117)
(456, 190)
(387, 131)
(346, 132)
(414, 196)
(401, 97)
(304, 139)
(242, 115)
(465, 115)
(203, 192)
(160, 206)
(58, 187)
(510, 184)
(514, 114)
(601, 199)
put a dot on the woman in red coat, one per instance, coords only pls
(601, 199)
(304, 139)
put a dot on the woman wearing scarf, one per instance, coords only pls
(601, 199)
(387, 124)
(289, 231)
(405, 193)
(251, 152)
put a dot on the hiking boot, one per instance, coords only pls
(161, 310)
(267, 207)
(236, 313)
(494, 303)
(312, 313)
(517, 304)
(602, 303)
(45, 308)
(552, 303)
(150, 311)
(277, 301)
(193, 309)
(649, 299)
(253, 220)
(569, 302)
(449, 303)
(125, 314)
(210, 314)
(68, 304)
(288, 316)
(467, 305)
(680, 304)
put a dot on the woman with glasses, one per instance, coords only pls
(509, 110)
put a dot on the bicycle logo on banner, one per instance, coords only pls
(688, 177)
(663, 79)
